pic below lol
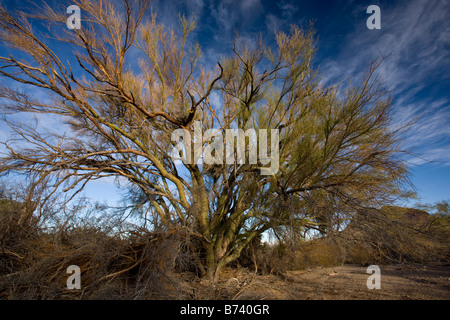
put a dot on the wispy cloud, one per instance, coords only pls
(415, 43)
(227, 17)
(279, 22)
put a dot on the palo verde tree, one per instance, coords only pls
(332, 150)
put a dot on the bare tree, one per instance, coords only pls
(337, 149)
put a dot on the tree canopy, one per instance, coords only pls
(336, 152)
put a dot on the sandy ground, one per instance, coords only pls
(347, 282)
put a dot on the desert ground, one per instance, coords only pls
(346, 282)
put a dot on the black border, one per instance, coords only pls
(278, 309)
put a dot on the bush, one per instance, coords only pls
(390, 235)
(136, 264)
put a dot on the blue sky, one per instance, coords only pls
(414, 39)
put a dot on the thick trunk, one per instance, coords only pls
(218, 255)
(210, 262)
(214, 258)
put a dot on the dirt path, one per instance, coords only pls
(345, 282)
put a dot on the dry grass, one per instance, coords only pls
(132, 264)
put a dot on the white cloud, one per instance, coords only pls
(414, 40)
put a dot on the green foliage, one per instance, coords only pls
(338, 151)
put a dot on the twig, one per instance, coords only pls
(121, 271)
(12, 253)
(242, 290)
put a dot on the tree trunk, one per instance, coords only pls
(224, 251)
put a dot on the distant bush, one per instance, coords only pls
(390, 235)
(265, 258)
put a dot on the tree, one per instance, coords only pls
(337, 150)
